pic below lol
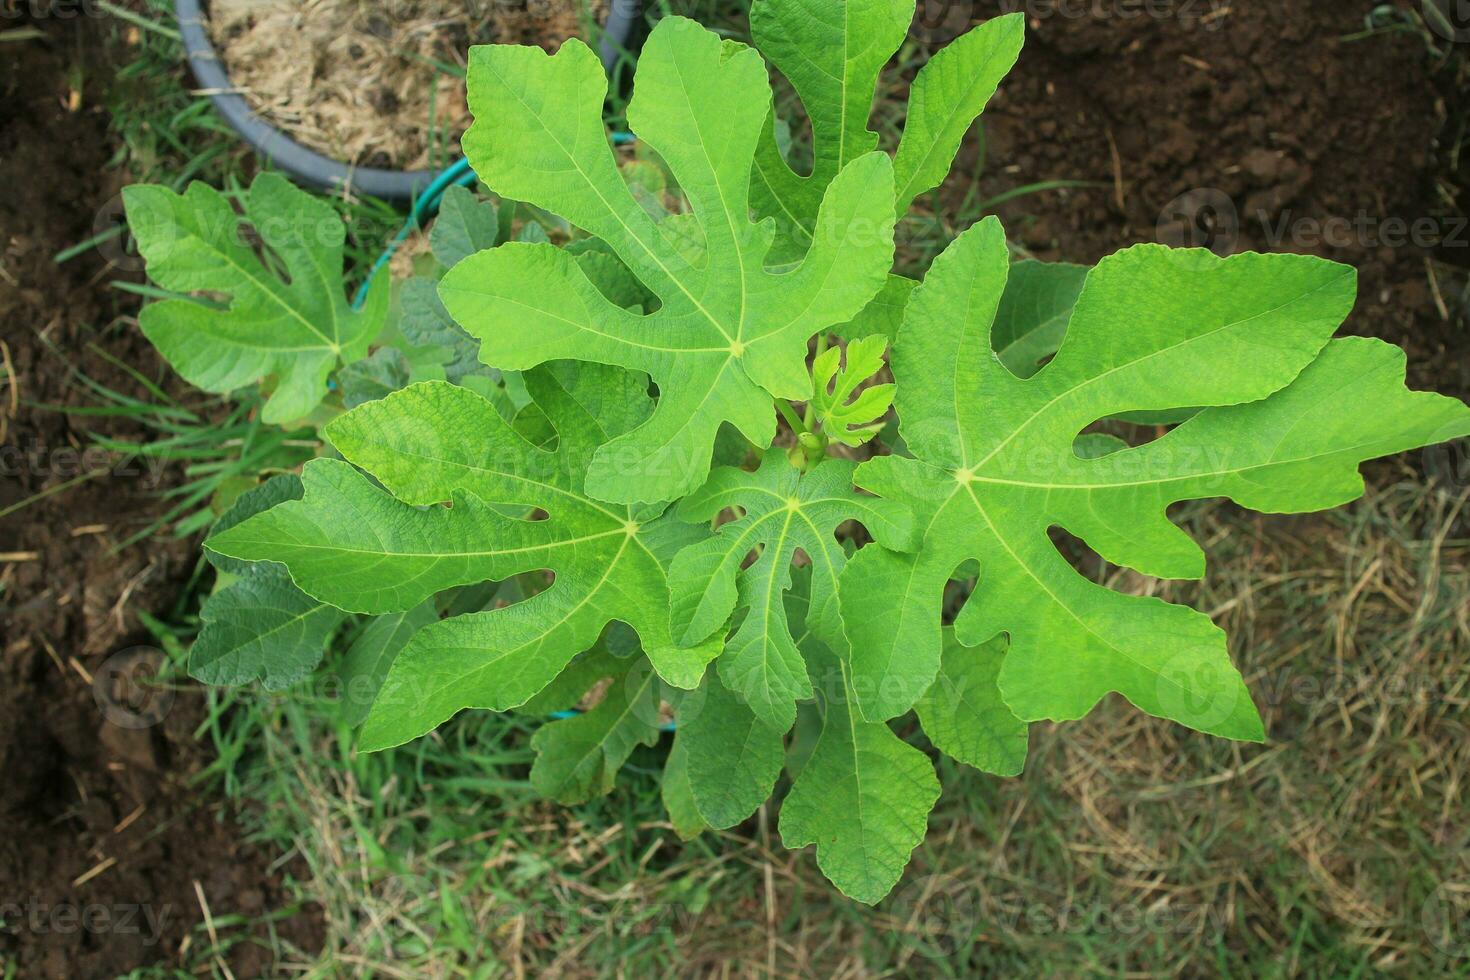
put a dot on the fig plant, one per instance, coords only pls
(614, 464)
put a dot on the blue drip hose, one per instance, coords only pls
(424, 208)
(564, 715)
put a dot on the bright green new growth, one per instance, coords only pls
(846, 415)
(298, 329)
(562, 540)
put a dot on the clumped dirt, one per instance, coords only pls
(106, 846)
(1248, 125)
(358, 82)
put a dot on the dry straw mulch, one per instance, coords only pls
(374, 83)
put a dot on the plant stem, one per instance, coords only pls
(811, 411)
(792, 419)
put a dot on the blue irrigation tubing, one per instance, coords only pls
(424, 208)
(427, 205)
(564, 715)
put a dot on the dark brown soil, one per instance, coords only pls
(1315, 143)
(106, 846)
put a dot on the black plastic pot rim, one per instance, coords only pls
(307, 166)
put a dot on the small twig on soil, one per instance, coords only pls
(11, 377)
(51, 652)
(127, 593)
(122, 13)
(33, 498)
(130, 819)
(770, 902)
(209, 928)
(1439, 304)
(87, 876)
(76, 665)
(1117, 172)
(14, 385)
(1215, 15)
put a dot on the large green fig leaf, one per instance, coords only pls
(729, 334)
(731, 758)
(1032, 318)
(373, 651)
(784, 510)
(296, 329)
(256, 500)
(678, 796)
(466, 224)
(371, 550)
(1154, 330)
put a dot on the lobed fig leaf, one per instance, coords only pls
(729, 333)
(375, 551)
(293, 323)
(1154, 330)
(784, 510)
(847, 415)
